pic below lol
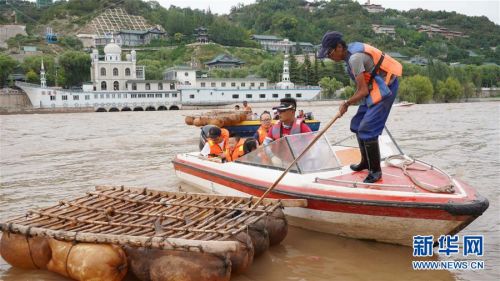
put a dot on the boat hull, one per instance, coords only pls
(382, 221)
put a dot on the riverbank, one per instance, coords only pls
(30, 110)
(19, 104)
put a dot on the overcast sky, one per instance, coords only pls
(488, 8)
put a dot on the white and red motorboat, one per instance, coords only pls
(393, 210)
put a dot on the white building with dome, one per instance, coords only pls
(120, 85)
(116, 85)
(112, 73)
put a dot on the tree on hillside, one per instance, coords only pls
(153, 69)
(271, 69)
(329, 86)
(34, 63)
(347, 93)
(437, 70)
(293, 67)
(71, 42)
(410, 69)
(449, 90)
(469, 90)
(308, 71)
(75, 67)
(225, 33)
(416, 89)
(316, 70)
(285, 25)
(178, 37)
(490, 75)
(7, 65)
(32, 77)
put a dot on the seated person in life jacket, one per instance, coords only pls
(288, 124)
(234, 149)
(250, 145)
(217, 143)
(238, 147)
(265, 125)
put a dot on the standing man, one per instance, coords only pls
(288, 124)
(246, 107)
(248, 110)
(376, 76)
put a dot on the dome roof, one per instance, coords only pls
(112, 48)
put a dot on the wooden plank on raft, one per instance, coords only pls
(265, 201)
(215, 247)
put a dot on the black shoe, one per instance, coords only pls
(373, 157)
(363, 164)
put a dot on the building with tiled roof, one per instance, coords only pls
(224, 61)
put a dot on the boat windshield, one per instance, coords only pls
(321, 156)
(281, 153)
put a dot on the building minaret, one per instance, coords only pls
(286, 69)
(43, 80)
(285, 80)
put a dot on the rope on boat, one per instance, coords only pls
(405, 163)
(27, 236)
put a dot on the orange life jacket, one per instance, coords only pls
(262, 132)
(377, 86)
(215, 149)
(236, 152)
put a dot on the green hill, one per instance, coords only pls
(297, 20)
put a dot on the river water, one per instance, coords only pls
(45, 158)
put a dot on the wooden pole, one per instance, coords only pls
(316, 138)
(213, 247)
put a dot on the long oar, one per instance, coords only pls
(316, 138)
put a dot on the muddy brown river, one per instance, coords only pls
(45, 158)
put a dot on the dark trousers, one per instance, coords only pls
(369, 122)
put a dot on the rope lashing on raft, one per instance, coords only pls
(405, 163)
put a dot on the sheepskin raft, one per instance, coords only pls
(217, 118)
(154, 235)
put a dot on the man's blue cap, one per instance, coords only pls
(330, 39)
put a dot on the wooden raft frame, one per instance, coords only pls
(148, 218)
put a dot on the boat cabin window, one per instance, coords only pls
(281, 153)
